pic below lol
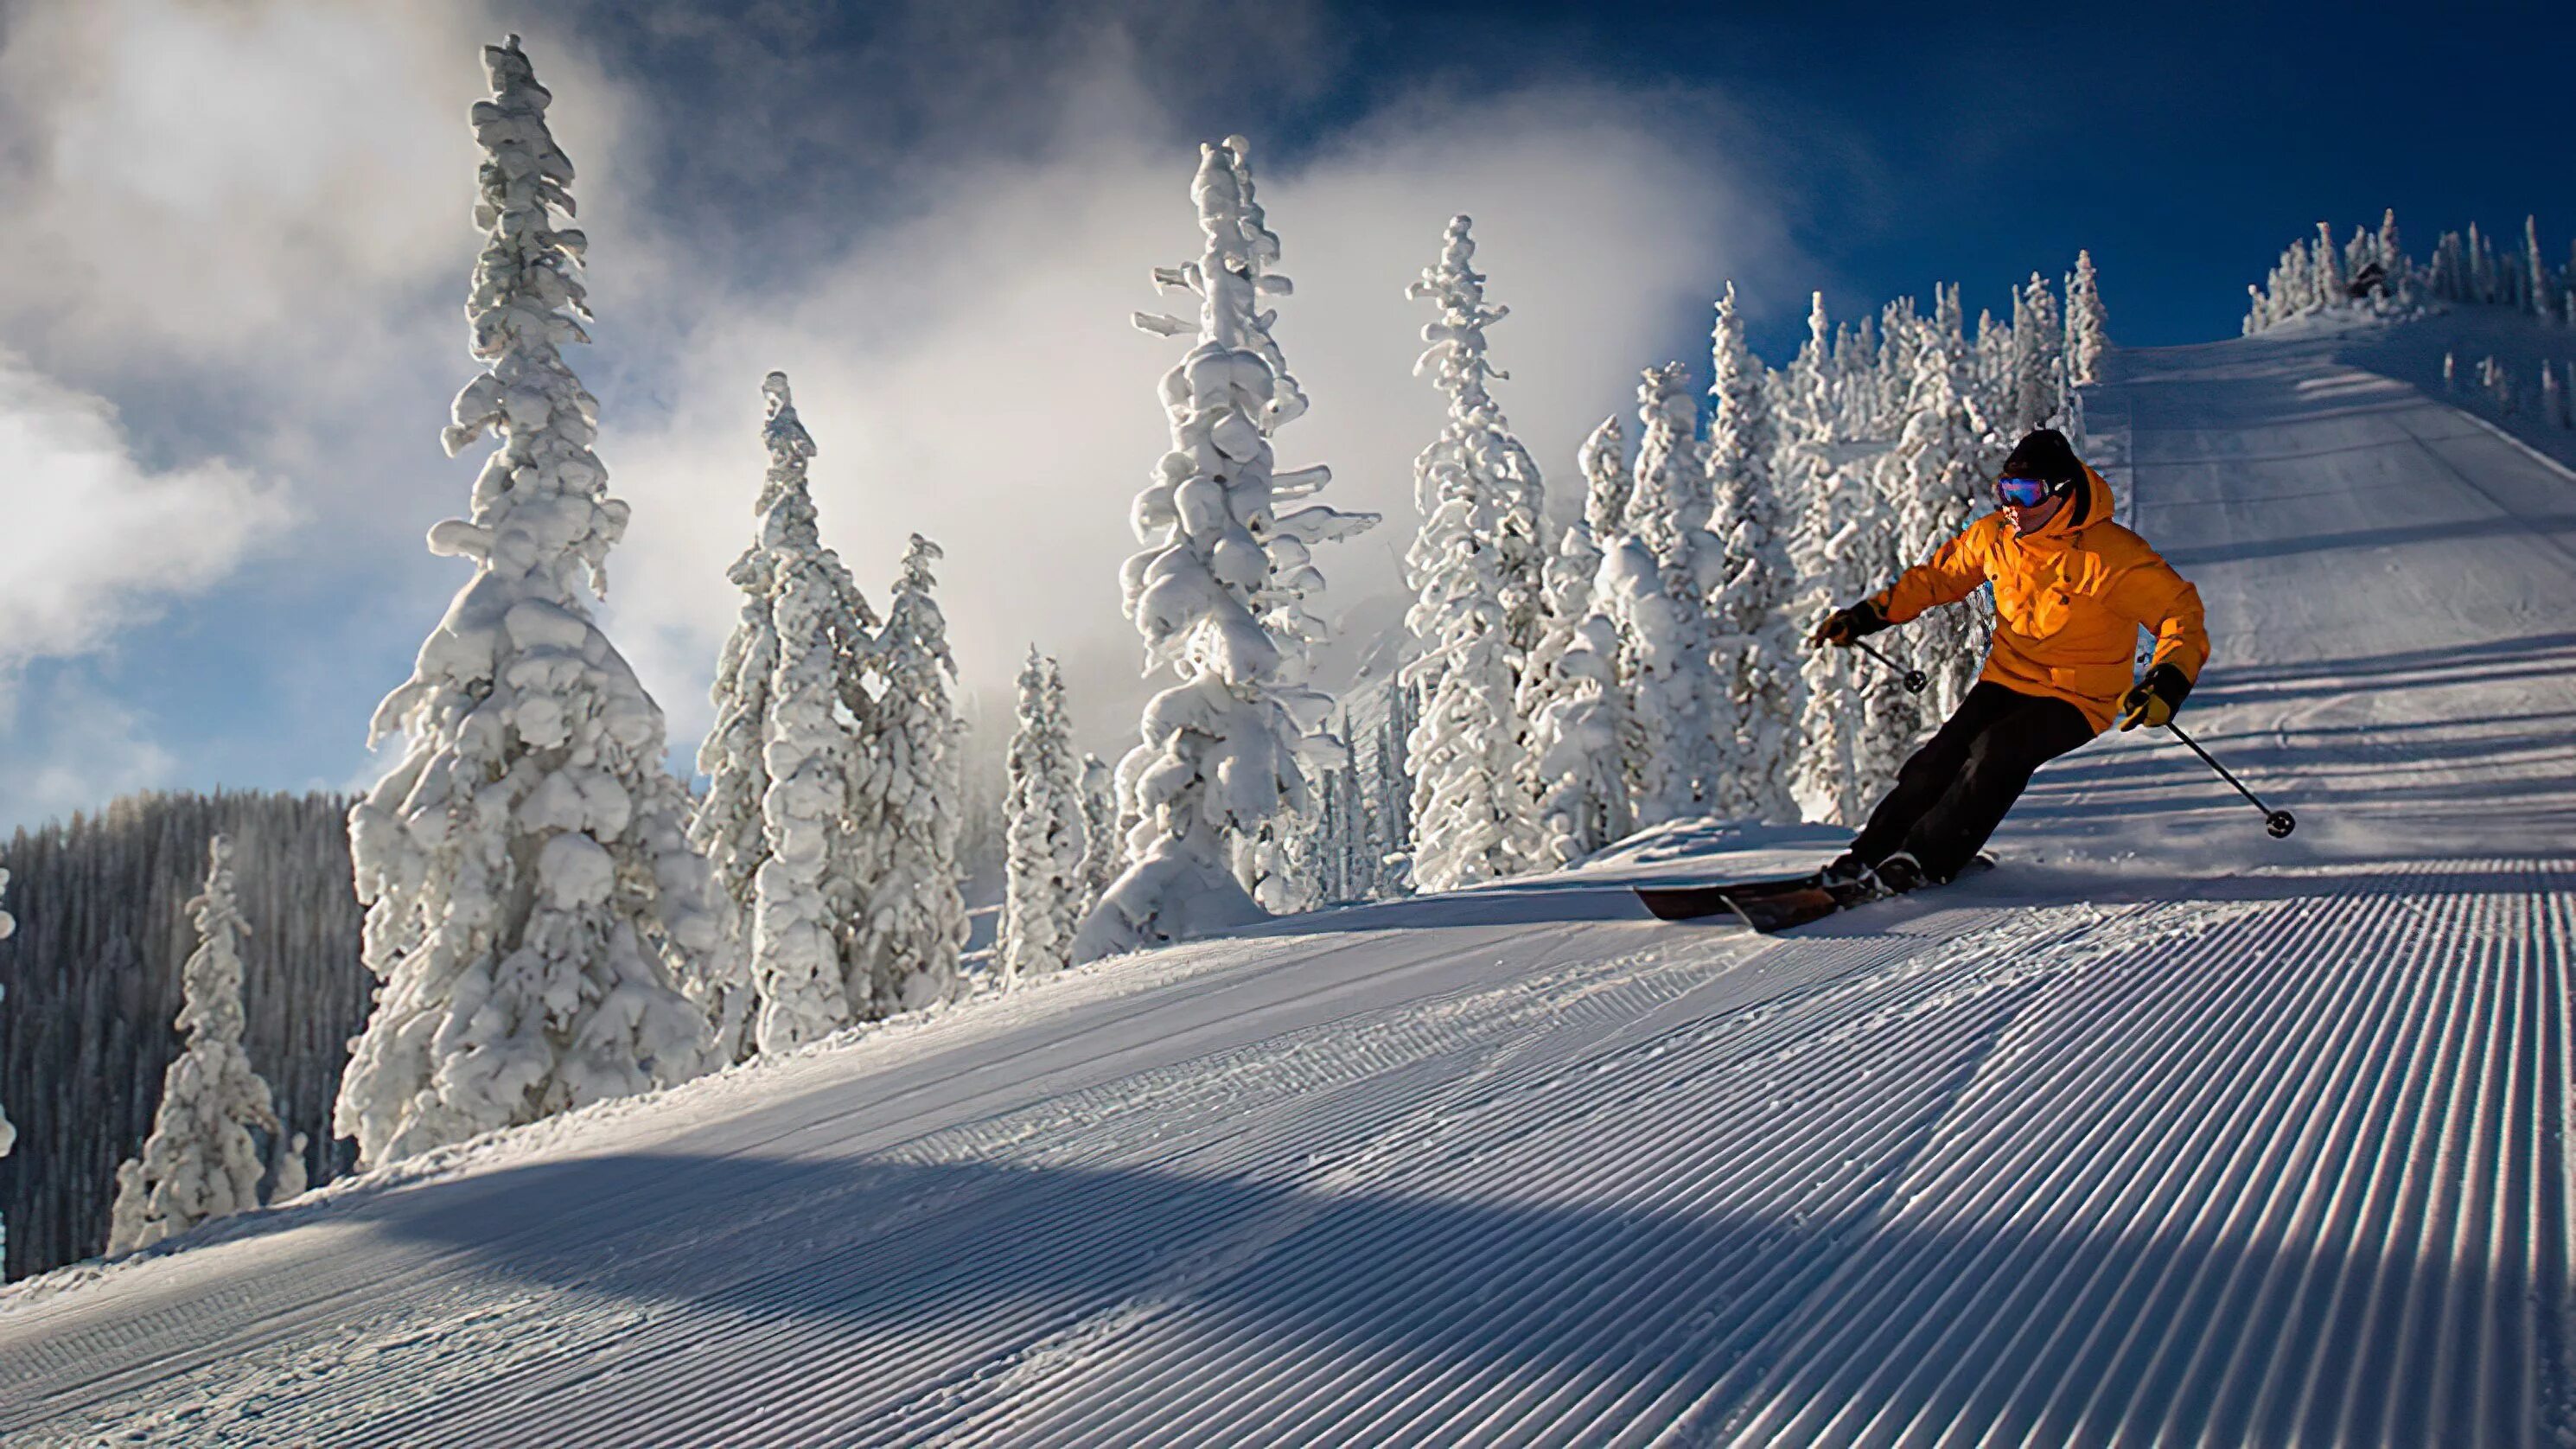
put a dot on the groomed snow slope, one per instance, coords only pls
(2165, 1133)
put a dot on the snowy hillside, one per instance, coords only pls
(2165, 1132)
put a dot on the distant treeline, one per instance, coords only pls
(93, 985)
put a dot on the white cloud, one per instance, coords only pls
(91, 541)
(259, 211)
(84, 749)
(222, 181)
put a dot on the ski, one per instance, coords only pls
(1775, 904)
(1773, 911)
(1691, 902)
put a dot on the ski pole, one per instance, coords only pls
(1916, 681)
(2276, 823)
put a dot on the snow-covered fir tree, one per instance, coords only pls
(2088, 326)
(1657, 687)
(1933, 480)
(1603, 462)
(1574, 772)
(1043, 868)
(2038, 359)
(1754, 718)
(1900, 327)
(2539, 288)
(1390, 808)
(1477, 431)
(1473, 488)
(2330, 281)
(1219, 594)
(911, 921)
(201, 1161)
(1103, 846)
(1669, 513)
(532, 894)
(1840, 546)
(1990, 359)
(781, 761)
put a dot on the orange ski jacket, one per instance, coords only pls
(2069, 600)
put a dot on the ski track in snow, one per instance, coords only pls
(2165, 1134)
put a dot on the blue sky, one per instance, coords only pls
(937, 216)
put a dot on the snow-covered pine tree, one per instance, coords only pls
(780, 763)
(1478, 435)
(532, 894)
(2038, 358)
(2325, 269)
(2088, 326)
(1603, 462)
(1899, 327)
(1840, 546)
(1669, 513)
(1755, 722)
(1393, 812)
(1932, 481)
(1103, 846)
(1043, 880)
(1218, 593)
(911, 922)
(1471, 819)
(1656, 690)
(2539, 289)
(1573, 771)
(201, 1161)
(1991, 356)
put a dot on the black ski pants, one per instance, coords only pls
(1954, 791)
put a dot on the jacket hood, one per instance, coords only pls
(2092, 504)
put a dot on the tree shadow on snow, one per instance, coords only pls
(1091, 1275)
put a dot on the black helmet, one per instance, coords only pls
(2045, 454)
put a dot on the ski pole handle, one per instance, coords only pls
(2276, 823)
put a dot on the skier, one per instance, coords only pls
(2072, 588)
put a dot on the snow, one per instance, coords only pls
(2164, 1132)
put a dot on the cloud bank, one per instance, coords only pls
(939, 239)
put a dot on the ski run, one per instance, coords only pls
(2165, 1132)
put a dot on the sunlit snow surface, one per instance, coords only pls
(2165, 1132)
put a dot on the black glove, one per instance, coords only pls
(1843, 625)
(2153, 699)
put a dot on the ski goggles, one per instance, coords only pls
(2027, 492)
